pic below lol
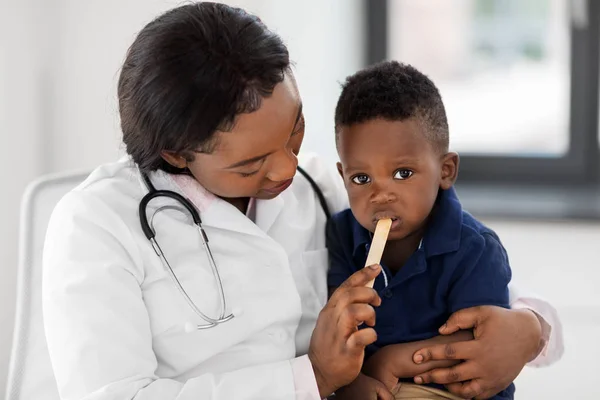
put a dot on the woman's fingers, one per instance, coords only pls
(362, 276)
(356, 314)
(469, 390)
(361, 339)
(448, 351)
(358, 295)
(466, 318)
(443, 376)
(337, 345)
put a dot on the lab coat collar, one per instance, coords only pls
(216, 212)
(267, 211)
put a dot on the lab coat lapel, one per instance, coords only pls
(268, 211)
(222, 215)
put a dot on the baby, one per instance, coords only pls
(392, 140)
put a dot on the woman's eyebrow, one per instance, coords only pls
(258, 158)
(247, 161)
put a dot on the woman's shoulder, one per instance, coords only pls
(100, 213)
(113, 188)
(324, 173)
(121, 176)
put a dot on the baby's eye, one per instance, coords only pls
(402, 174)
(361, 179)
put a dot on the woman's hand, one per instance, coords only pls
(337, 345)
(364, 388)
(504, 341)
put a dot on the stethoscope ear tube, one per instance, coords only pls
(153, 193)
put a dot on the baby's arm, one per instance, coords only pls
(396, 361)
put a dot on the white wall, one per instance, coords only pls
(59, 65)
(90, 51)
(21, 73)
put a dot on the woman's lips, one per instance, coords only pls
(280, 188)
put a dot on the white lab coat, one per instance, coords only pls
(115, 323)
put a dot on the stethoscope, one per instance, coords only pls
(150, 233)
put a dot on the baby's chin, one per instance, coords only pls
(397, 235)
(398, 232)
(402, 234)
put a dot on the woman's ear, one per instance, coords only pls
(174, 159)
(450, 163)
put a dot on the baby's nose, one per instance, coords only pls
(383, 197)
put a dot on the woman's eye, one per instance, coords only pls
(247, 174)
(402, 174)
(361, 179)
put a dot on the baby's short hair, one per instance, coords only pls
(396, 92)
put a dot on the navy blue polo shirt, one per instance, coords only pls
(460, 263)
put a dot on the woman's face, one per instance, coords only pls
(257, 158)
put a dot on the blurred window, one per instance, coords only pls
(519, 79)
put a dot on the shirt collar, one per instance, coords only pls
(443, 231)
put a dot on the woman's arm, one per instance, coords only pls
(530, 333)
(552, 345)
(505, 340)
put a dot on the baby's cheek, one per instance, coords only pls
(419, 209)
(360, 211)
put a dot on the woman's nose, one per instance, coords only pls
(284, 166)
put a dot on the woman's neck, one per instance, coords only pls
(241, 203)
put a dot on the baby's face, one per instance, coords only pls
(390, 170)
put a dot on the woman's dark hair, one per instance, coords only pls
(189, 73)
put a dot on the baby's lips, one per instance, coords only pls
(384, 215)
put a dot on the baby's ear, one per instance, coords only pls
(340, 169)
(450, 163)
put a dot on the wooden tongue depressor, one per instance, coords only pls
(378, 244)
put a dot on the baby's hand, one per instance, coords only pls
(383, 365)
(364, 388)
